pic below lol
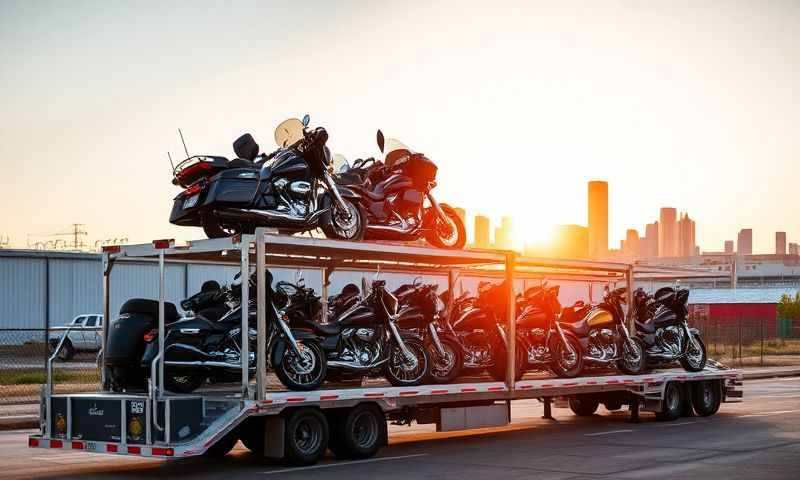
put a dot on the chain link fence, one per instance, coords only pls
(750, 341)
(23, 366)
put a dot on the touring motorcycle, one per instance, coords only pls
(661, 321)
(203, 345)
(362, 340)
(393, 193)
(291, 189)
(604, 337)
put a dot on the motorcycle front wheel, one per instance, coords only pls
(566, 363)
(348, 225)
(452, 235)
(303, 372)
(445, 369)
(633, 360)
(214, 229)
(695, 358)
(400, 372)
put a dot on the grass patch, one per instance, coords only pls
(27, 377)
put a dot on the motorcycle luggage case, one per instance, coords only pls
(125, 333)
(234, 187)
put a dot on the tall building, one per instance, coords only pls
(570, 241)
(504, 234)
(598, 219)
(794, 249)
(686, 232)
(668, 238)
(482, 231)
(649, 247)
(744, 242)
(728, 246)
(780, 243)
(632, 244)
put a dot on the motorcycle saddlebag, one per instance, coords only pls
(233, 187)
(137, 316)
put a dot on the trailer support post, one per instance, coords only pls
(511, 342)
(634, 410)
(106, 265)
(548, 408)
(261, 316)
(629, 299)
(244, 247)
(161, 329)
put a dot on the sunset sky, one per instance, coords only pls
(694, 105)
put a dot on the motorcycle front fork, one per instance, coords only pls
(410, 357)
(438, 208)
(437, 342)
(337, 197)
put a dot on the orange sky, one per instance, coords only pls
(690, 104)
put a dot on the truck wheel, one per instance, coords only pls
(672, 403)
(613, 405)
(306, 437)
(706, 398)
(583, 405)
(358, 432)
(223, 445)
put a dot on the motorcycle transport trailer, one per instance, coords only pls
(351, 422)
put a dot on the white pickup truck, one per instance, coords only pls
(83, 335)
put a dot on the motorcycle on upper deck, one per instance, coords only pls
(393, 194)
(661, 321)
(291, 189)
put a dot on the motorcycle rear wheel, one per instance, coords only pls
(453, 236)
(214, 229)
(180, 382)
(698, 363)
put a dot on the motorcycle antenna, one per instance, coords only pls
(184, 143)
(170, 161)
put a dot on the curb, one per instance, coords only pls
(771, 374)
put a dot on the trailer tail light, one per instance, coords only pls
(77, 445)
(33, 442)
(111, 448)
(162, 244)
(135, 450)
(151, 335)
(112, 249)
(162, 452)
(56, 444)
(192, 190)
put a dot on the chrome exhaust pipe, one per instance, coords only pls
(201, 363)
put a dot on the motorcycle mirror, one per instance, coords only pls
(306, 120)
(381, 141)
(364, 286)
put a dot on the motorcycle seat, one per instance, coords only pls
(645, 327)
(328, 329)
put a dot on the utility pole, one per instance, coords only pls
(78, 229)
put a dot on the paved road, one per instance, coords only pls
(759, 438)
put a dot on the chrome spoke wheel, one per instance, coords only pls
(405, 370)
(441, 366)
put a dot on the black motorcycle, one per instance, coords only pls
(363, 340)
(423, 312)
(542, 343)
(604, 338)
(661, 321)
(393, 194)
(198, 347)
(290, 189)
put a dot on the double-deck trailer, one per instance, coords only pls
(352, 422)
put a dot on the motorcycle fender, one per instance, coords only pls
(279, 348)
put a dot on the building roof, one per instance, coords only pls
(738, 295)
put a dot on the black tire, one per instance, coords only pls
(67, 351)
(672, 403)
(698, 364)
(396, 358)
(183, 382)
(304, 375)
(638, 361)
(583, 405)
(213, 229)
(223, 446)
(358, 432)
(445, 370)
(332, 228)
(251, 433)
(613, 406)
(706, 397)
(563, 363)
(306, 436)
(498, 370)
(434, 235)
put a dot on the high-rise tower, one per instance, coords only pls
(598, 219)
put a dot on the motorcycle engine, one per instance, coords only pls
(361, 346)
(602, 345)
(294, 198)
(537, 350)
(477, 352)
(670, 339)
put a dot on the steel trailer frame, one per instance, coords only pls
(266, 247)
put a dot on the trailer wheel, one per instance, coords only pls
(306, 436)
(706, 398)
(672, 403)
(223, 445)
(583, 405)
(358, 432)
(613, 405)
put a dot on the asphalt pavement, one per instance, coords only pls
(759, 438)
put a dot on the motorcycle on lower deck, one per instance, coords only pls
(291, 189)
(363, 340)
(661, 321)
(604, 337)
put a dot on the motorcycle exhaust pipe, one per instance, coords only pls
(267, 215)
(201, 363)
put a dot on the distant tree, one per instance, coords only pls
(789, 307)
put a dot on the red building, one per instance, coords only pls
(748, 309)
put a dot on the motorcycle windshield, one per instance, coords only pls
(395, 152)
(289, 132)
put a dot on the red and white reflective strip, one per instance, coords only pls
(100, 447)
